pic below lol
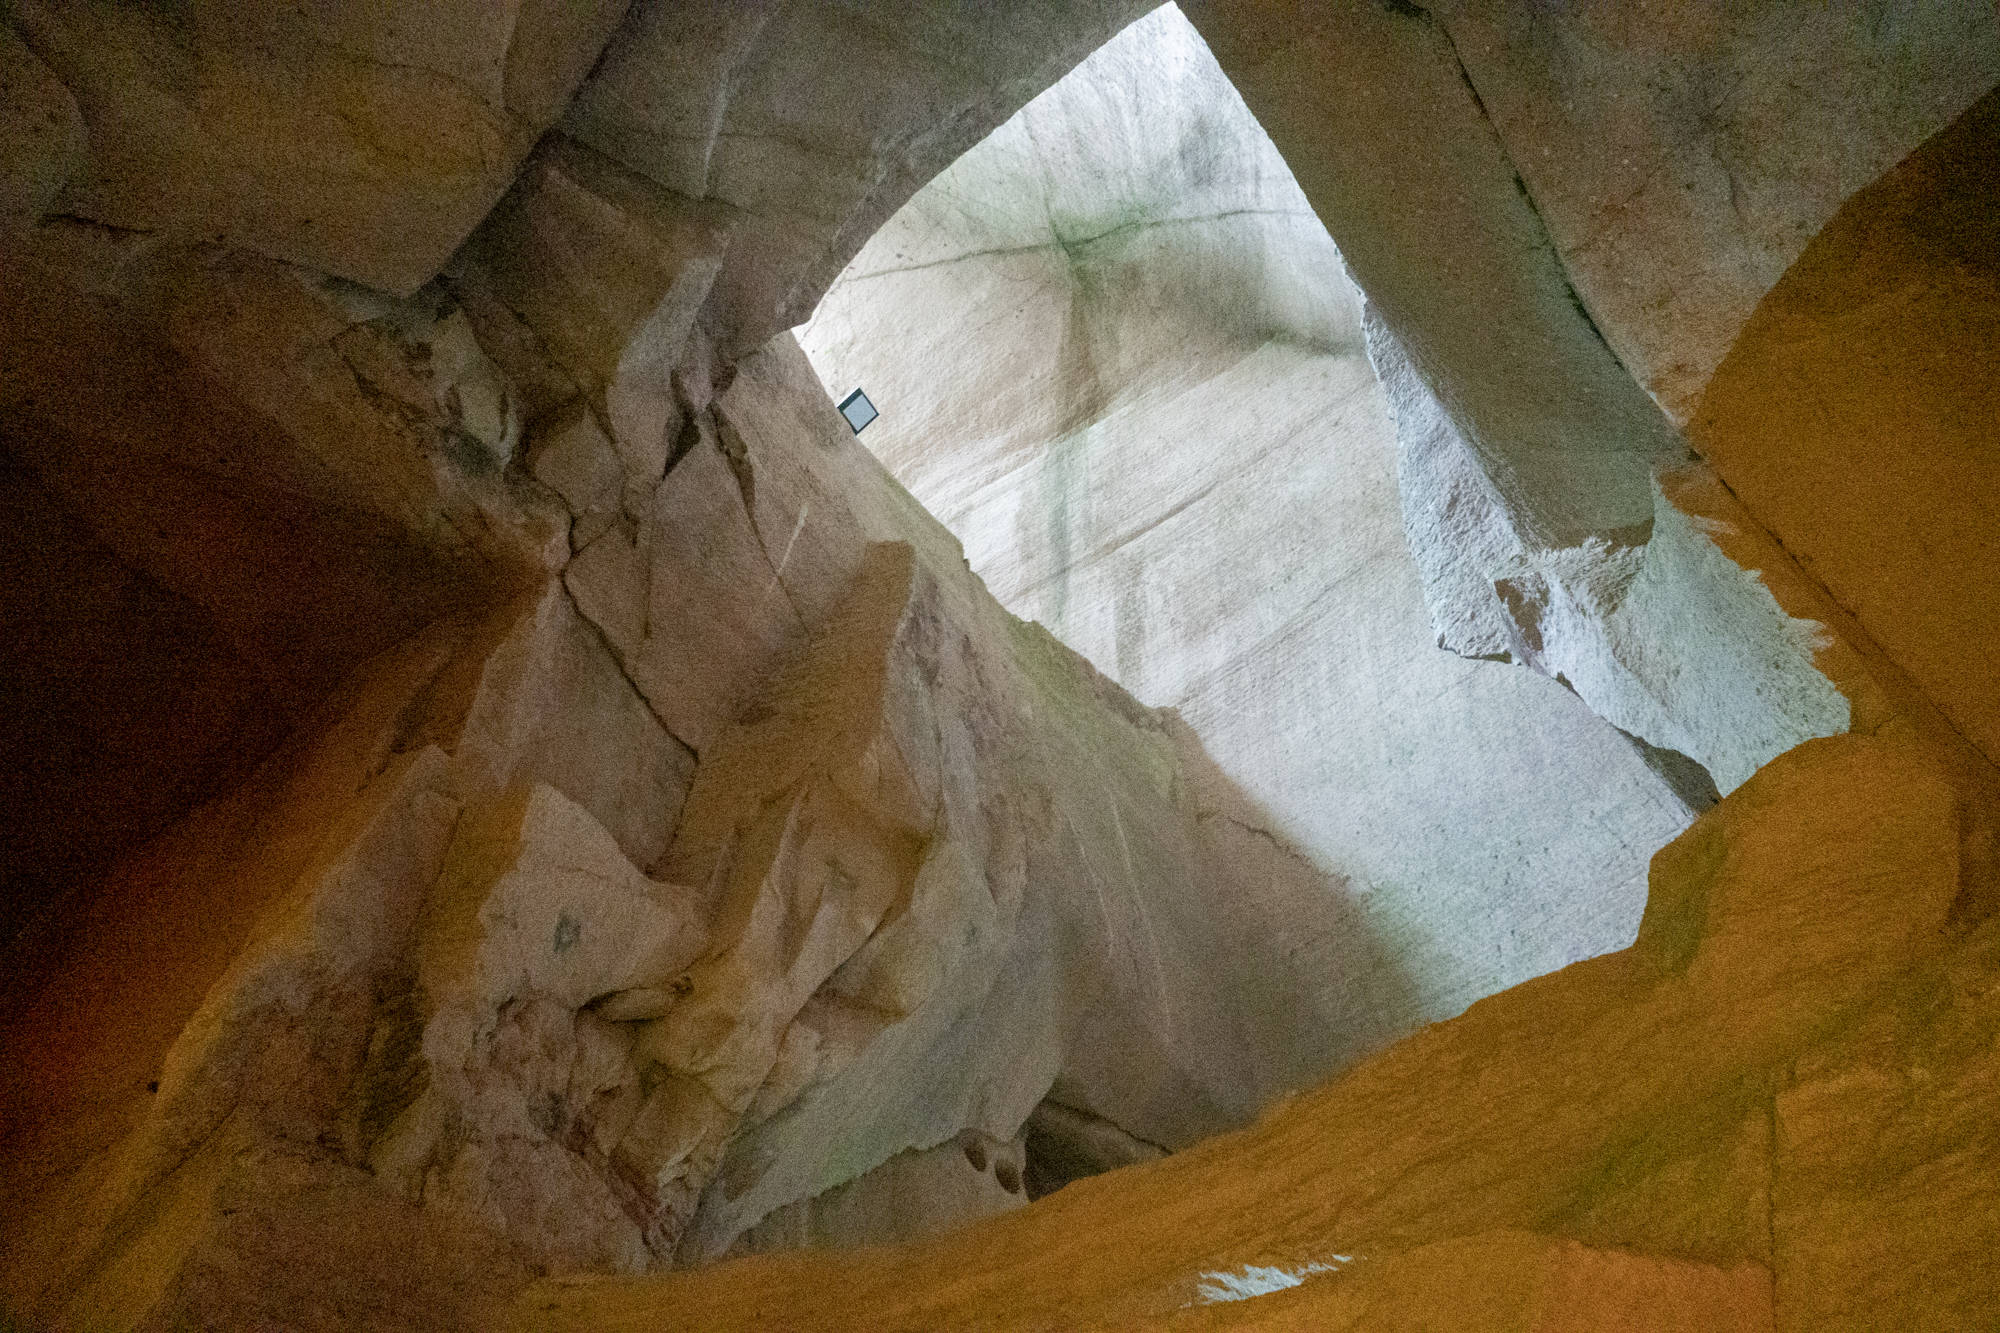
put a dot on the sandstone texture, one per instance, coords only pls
(1882, 482)
(1643, 1140)
(732, 883)
(1657, 144)
(1527, 312)
(504, 800)
(362, 142)
(814, 123)
(1118, 355)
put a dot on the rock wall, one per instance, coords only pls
(600, 823)
(1761, 1116)
(716, 869)
(1118, 355)
(368, 143)
(1881, 483)
(1682, 157)
(1583, 210)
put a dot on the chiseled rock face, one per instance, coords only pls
(362, 140)
(898, 929)
(1681, 156)
(915, 1193)
(1373, 114)
(368, 140)
(607, 998)
(676, 849)
(1528, 450)
(1667, 639)
(304, 1047)
(609, 271)
(523, 1095)
(697, 644)
(955, 873)
(815, 122)
(1116, 353)
(1758, 1117)
(1130, 231)
(371, 411)
(1855, 417)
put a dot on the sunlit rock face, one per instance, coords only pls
(1885, 489)
(1660, 146)
(501, 785)
(1116, 352)
(713, 865)
(492, 953)
(1759, 1117)
(1560, 226)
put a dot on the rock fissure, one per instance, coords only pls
(617, 660)
(414, 944)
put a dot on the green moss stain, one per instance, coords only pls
(1062, 489)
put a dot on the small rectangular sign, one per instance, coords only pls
(858, 410)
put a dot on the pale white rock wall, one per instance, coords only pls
(1116, 352)
(1668, 639)
(1546, 503)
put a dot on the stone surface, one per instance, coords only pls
(874, 847)
(610, 272)
(365, 412)
(363, 140)
(1660, 145)
(946, 871)
(981, 758)
(1882, 1165)
(1117, 355)
(914, 1193)
(815, 122)
(522, 1092)
(304, 429)
(1667, 640)
(1879, 479)
(1465, 1175)
(289, 910)
(1372, 112)
(142, 707)
(286, 473)
(1524, 436)
(550, 701)
(697, 640)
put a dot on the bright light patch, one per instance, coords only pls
(1256, 1280)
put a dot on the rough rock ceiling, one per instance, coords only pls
(1117, 354)
(653, 826)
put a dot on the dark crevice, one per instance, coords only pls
(618, 663)
(1685, 777)
(1064, 1144)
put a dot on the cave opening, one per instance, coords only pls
(1117, 353)
(502, 783)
